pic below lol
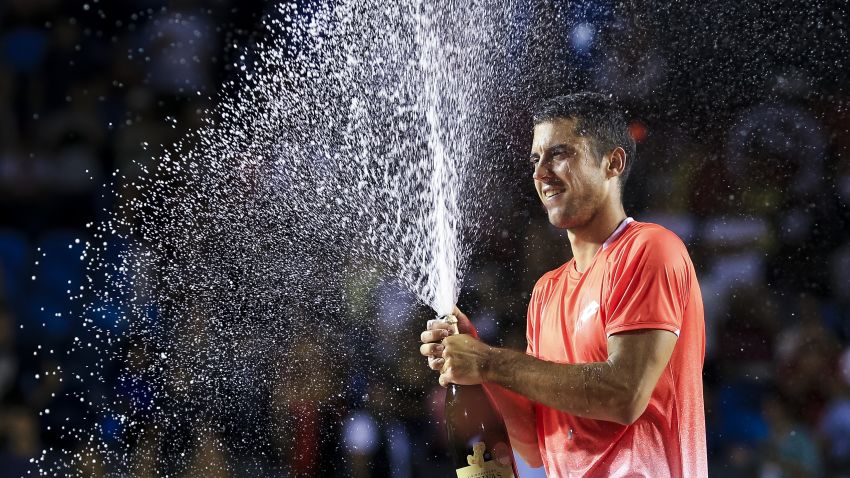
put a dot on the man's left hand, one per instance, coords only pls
(465, 360)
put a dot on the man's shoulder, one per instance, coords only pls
(552, 275)
(649, 242)
(652, 236)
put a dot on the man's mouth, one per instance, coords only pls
(548, 194)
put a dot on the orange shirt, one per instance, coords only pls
(642, 278)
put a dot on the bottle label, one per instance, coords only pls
(499, 467)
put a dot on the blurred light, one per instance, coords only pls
(24, 49)
(361, 433)
(582, 37)
(638, 131)
(844, 366)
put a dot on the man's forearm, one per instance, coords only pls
(592, 390)
(518, 413)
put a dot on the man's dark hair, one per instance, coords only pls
(597, 117)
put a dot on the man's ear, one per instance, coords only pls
(616, 162)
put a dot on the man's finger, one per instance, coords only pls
(445, 378)
(435, 324)
(435, 335)
(436, 363)
(460, 315)
(431, 350)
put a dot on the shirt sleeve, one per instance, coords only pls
(649, 285)
(531, 319)
(535, 306)
(529, 331)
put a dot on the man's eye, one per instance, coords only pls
(534, 159)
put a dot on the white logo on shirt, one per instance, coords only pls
(588, 312)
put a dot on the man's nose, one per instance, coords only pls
(542, 169)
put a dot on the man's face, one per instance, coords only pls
(570, 181)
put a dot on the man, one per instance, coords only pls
(611, 382)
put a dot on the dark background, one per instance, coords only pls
(740, 113)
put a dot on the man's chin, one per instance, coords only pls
(561, 221)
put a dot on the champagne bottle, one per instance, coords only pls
(478, 440)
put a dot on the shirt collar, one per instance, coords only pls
(617, 232)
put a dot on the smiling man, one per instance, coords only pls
(611, 382)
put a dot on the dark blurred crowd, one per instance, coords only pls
(759, 196)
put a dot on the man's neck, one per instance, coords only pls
(586, 240)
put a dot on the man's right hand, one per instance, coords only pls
(439, 329)
(516, 409)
